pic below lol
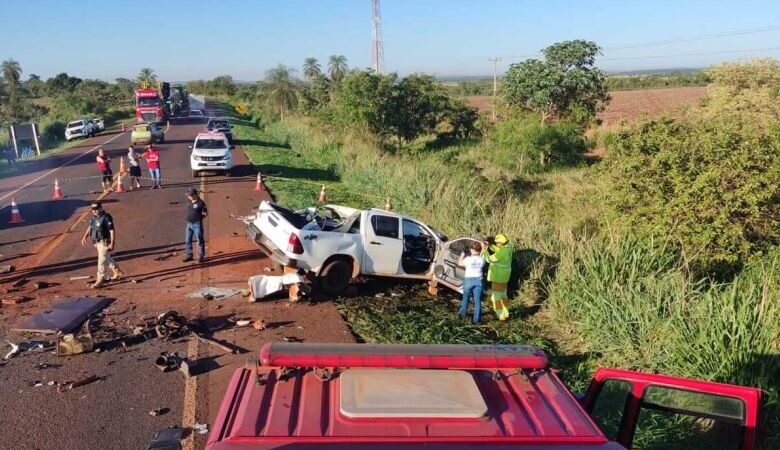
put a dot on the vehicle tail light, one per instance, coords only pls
(294, 245)
(420, 356)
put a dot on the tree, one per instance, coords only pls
(280, 89)
(221, 85)
(337, 68)
(34, 86)
(147, 74)
(61, 83)
(311, 68)
(126, 87)
(12, 71)
(565, 85)
(316, 95)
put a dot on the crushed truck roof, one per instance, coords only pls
(401, 396)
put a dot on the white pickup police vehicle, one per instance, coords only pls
(211, 152)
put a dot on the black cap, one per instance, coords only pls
(96, 205)
(192, 192)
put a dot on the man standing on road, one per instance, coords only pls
(101, 230)
(104, 165)
(196, 212)
(153, 161)
(134, 159)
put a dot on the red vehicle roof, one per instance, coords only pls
(525, 403)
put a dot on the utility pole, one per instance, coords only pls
(495, 62)
(377, 46)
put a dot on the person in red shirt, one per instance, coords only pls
(104, 165)
(152, 156)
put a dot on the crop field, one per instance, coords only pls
(629, 105)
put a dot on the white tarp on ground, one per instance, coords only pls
(261, 286)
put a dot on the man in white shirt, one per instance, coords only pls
(472, 284)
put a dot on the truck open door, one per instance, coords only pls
(654, 412)
(446, 269)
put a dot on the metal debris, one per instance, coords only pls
(64, 316)
(213, 293)
(201, 428)
(7, 269)
(171, 325)
(159, 411)
(167, 362)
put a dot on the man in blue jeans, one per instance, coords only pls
(472, 284)
(196, 212)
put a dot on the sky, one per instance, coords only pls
(195, 39)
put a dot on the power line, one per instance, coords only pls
(694, 38)
(693, 54)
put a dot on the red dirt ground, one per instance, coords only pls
(628, 105)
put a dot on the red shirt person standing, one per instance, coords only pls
(104, 165)
(152, 156)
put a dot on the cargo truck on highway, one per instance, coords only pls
(437, 397)
(337, 243)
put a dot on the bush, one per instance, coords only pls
(525, 146)
(710, 188)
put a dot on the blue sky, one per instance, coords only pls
(183, 40)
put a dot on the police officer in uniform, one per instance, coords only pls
(196, 212)
(101, 231)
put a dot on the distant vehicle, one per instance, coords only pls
(150, 103)
(100, 125)
(211, 152)
(457, 397)
(221, 125)
(196, 114)
(80, 128)
(147, 133)
(337, 243)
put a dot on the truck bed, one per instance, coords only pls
(269, 407)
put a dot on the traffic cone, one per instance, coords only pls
(57, 190)
(15, 216)
(259, 186)
(323, 197)
(388, 205)
(119, 186)
(122, 168)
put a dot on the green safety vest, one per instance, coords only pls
(500, 263)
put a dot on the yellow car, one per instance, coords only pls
(147, 133)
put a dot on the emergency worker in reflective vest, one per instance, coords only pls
(101, 231)
(499, 258)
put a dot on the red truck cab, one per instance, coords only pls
(149, 106)
(386, 396)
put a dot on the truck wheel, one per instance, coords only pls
(335, 276)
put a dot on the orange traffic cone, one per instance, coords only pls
(122, 168)
(15, 216)
(388, 205)
(259, 186)
(119, 186)
(57, 190)
(323, 197)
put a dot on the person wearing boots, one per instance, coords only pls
(101, 231)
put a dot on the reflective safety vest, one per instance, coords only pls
(500, 263)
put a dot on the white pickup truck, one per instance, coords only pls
(337, 243)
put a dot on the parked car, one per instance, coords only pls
(211, 152)
(337, 243)
(80, 128)
(147, 133)
(457, 397)
(221, 125)
(100, 125)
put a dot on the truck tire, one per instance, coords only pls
(334, 277)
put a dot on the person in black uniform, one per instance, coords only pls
(101, 230)
(196, 212)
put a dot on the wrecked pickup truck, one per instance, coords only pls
(337, 243)
(396, 396)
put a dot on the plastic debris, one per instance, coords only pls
(159, 412)
(6, 269)
(13, 352)
(243, 322)
(201, 428)
(80, 277)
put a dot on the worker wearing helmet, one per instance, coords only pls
(499, 256)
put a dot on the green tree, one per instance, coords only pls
(337, 68)
(280, 89)
(60, 83)
(221, 85)
(365, 100)
(316, 95)
(147, 74)
(12, 71)
(34, 86)
(126, 87)
(565, 85)
(311, 68)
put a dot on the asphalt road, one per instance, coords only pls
(114, 411)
